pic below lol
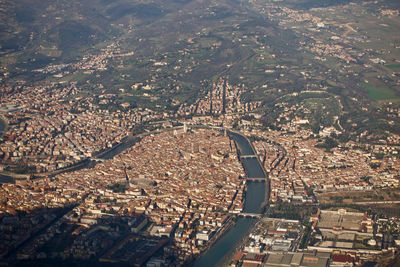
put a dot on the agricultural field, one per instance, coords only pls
(179, 49)
(359, 197)
(381, 92)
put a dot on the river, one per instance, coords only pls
(255, 197)
(6, 179)
(3, 178)
(2, 126)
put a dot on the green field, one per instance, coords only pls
(381, 92)
(393, 66)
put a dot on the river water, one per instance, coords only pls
(4, 179)
(255, 197)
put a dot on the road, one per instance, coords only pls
(376, 202)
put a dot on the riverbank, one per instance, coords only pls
(225, 244)
(17, 176)
(10, 177)
(101, 155)
(231, 233)
(3, 124)
(239, 244)
(220, 234)
(6, 179)
(255, 199)
(85, 163)
(106, 154)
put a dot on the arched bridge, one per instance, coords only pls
(98, 159)
(260, 179)
(248, 157)
(250, 215)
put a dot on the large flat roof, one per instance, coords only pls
(349, 221)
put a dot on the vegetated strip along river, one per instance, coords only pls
(255, 196)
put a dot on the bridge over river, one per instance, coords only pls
(248, 157)
(256, 196)
(250, 215)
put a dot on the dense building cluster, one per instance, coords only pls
(51, 128)
(335, 238)
(295, 163)
(223, 98)
(186, 193)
